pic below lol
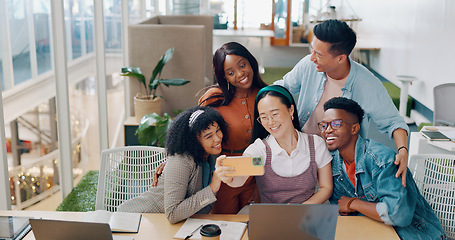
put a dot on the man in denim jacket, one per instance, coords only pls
(364, 176)
(329, 72)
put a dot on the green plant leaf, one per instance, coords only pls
(134, 72)
(174, 82)
(131, 69)
(161, 129)
(154, 84)
(148, 137)
(155, 80)
(160, 65)
(153, 129)
(148, 120)
(168, 55)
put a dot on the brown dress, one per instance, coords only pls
(239, 116)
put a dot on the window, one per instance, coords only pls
(250, 13)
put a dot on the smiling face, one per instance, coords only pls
(322, 58)
(238, 72)
(344, 137)
(211, 139)
(275, 117)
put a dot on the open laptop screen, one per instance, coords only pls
(45, 229)
(292, 221)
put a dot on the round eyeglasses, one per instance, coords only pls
(334, 124)
(265, 119)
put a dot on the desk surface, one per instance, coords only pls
(156, 225)
(420, 145)
(131, 121)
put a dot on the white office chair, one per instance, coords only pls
(434, 175)
(126, 172)
(444, 109)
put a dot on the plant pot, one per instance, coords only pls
(144, 106)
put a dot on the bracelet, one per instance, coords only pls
(348, 206)
(402, 148)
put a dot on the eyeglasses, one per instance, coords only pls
(265, 119)
(334, 124)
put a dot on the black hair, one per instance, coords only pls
(346, 104)
(258, 130)
(182, 139)
(231, 48)
(341, 37)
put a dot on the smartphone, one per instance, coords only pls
(435, 136)
(245, 165)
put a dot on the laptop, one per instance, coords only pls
(292, 221)
(14, 227)
(45, 229)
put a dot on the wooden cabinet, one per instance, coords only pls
(129, 126)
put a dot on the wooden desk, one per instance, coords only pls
(156, 226)
(247, 33)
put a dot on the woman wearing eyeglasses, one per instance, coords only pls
(295, 162)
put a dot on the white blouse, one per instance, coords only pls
(291, 165)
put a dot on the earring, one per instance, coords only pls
(292, 117)
(228, 86)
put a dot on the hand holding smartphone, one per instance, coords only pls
(245, 165)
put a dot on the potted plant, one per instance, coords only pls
(153, 129)
(150, 102)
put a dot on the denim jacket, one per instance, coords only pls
(306, 85)
(402, 207)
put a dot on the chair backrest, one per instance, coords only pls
(126, 172)
(444, 109)
(434, 175)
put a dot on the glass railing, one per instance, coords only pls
(39, 178)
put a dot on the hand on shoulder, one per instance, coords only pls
(211, 91)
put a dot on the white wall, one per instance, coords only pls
(416, 37)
